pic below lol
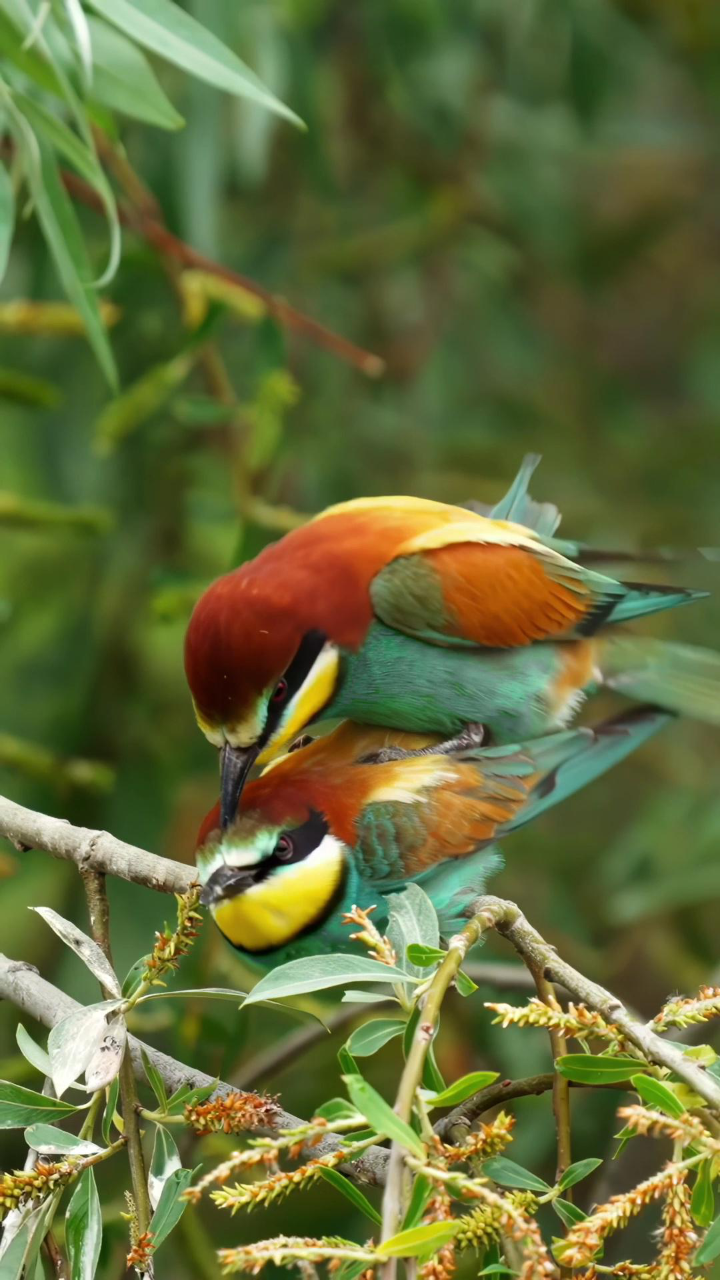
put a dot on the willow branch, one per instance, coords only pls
(153, 231)
(540, 956)
(99, 912)
(412, 1073)
(22, 985)
(26, 829)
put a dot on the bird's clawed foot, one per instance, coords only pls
(469, 739)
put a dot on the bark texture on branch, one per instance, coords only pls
(22, 985)
(539, 955)
(26, 829)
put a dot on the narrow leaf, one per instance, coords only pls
(568, 1213)
(170, 1207)
(62, 234)
(155, 1080)
(367, 1039)
(107, 1058)
(381, 1116)
(464, 984)
(585, 1068)
(338, 1109)
(424, 956)
(418, 1240)
(463, 1088)
(83, 1229)
(577, 1171)
(165, 1160)
(509, 1174)
(83, 946)
(7, 218)
(109, 1112)
(422, 1192)
(49, 1140)
(166, 29)
(315, 973)
(702, 1205)
(124, 81)
(32, 1051)
(710, 1247)
(74, 1040)
(20, 1107)
(351, 1193)
(657, 1094)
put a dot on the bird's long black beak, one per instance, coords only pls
(235, 765)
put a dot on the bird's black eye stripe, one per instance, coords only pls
(310, 648)
(303, 840)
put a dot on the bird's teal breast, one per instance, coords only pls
(406, 684)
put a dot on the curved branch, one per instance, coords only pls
(26, 829)
(22, 985)
(540, 956)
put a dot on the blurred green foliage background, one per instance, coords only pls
(516, 207)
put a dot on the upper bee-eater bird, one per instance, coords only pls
(360, 812)
(423, 616)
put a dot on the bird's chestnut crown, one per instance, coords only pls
(256, 680)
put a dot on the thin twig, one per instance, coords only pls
(457, 1122)
(561, 1086)
(57, 1261)
(99, 912)
(170, 246)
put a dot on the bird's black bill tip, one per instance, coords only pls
(235, 765)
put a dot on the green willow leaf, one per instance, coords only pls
(165, 1161)
(381, 1116)
(418, 1240)
(367, 1039)
(166, 29)
(585, 1068)
(422, 1192)
(20, 1107)
(62, 234)
(577, 1171)
(657, 1094)
(47, 1140)
(124, 81)
(155, 1080)
(568, 1213)
(702, 1205)
(316, 973)
(109, 1112)
(463, 1088)
(34, 1053)
(7, 218)
(710, 1247)
(351, 1193)
(170, 1207)
(509, 1174)
(83, 1229)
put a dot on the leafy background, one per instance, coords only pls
(516, 207)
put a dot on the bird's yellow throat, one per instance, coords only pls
(276, 910)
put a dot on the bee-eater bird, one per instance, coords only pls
(422, 616)
(341, 822)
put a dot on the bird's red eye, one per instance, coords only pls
(280, 691)
(284, 849)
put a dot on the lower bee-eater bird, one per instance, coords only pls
(419, 615)
(343, 822)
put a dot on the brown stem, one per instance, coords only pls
(57, 1261)
(170, 246)
(561, 1086)
(99, 911)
